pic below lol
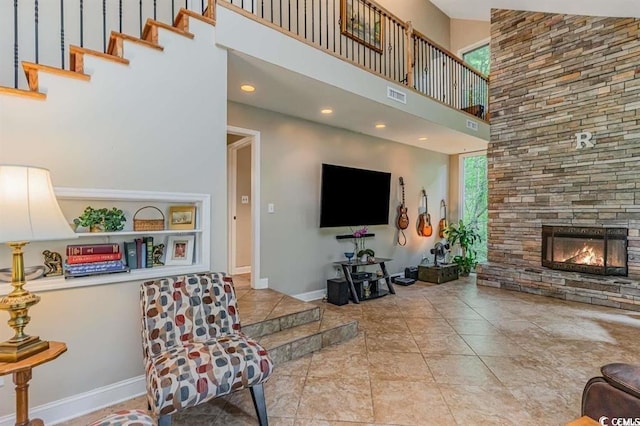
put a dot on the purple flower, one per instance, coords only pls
(359, 233)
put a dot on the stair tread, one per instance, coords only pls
(299, 332)
(194, 15)
(257, 306)
(151, 22)
(20, 92)
(85, 51)
(127, 37)
(54, 70)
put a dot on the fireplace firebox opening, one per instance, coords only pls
(590, 250)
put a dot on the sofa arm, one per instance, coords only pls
(625, 377)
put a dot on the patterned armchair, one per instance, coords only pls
(194, 350)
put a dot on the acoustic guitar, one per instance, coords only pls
(424, 224)
(403, 218)
(442, 225)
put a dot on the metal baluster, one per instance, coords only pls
(120, 15)
(36, 28)
(155, 16)
(62, 33)
(313, 24)
(141, 18)
(15, 43)
(280, 7)
(262, 9)
(104, 25)
(173, 9)
(272, 21)
(289, 14)
(305, 19)
(326, 11)
(81, 23)
(320, 21)
(201, 6)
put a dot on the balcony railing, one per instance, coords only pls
(373, 38)
(357, 30)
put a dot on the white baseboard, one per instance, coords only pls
(74, 406)
(309, 296)
(262, 283)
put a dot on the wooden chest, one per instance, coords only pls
(438, 274)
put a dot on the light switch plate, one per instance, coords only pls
(271, 208)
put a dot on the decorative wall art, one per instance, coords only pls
(362, 21)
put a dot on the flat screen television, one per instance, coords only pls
(354, 197)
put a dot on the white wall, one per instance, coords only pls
(424, 16)
(144, 126)
(296, 253)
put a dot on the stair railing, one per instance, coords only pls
(85, 23)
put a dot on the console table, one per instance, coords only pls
(350, 268)
(21, 371)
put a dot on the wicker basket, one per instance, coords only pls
(148, 224)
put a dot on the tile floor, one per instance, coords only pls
(452, 354)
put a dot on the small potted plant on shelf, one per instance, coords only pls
(465, 236)
(101, 220)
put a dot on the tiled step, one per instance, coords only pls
(289, 328)
(298, 341)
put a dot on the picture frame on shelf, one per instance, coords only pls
(179, 250)
(182, 217)
(362, 21)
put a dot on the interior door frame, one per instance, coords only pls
(251, 137)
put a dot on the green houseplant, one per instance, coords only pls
(97, 220)
(464, 236)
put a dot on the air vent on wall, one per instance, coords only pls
(472, 125)
(396, 95)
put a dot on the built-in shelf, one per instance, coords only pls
(73, 201)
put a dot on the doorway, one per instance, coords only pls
(243, 153)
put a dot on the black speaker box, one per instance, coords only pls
(337, 291)
(411, 272)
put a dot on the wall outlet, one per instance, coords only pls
(245, 199)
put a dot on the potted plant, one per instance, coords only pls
(465, 236)
(98, 220)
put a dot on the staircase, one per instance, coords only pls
(115, 51)
(288, 328)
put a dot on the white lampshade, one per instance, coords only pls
(29, 210)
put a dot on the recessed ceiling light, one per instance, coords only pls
(380, 126)
(326, 111)
(423, 138)
(247, 88)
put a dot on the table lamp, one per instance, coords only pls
(29, 211)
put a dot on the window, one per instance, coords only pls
(479, 58)
(474, 198)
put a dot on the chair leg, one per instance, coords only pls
(164, 420)
(257, 395)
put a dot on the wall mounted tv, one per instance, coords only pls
(354, 197)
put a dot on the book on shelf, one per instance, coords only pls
(132, 255)
(148, 242)
(86, 249)
(84, 269)
(91, 258)
(141, 255)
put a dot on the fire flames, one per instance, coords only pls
(587, 255)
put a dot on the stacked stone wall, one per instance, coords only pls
(553, 76)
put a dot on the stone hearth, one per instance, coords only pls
(552, 77)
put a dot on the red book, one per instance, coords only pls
(91, 258)
(84, 249)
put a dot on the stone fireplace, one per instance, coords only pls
(591, 250)
(554, 77)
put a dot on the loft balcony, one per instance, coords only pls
(303, 55)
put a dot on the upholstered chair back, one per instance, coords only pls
(184, 309)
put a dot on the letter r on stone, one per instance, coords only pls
(583, 140)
